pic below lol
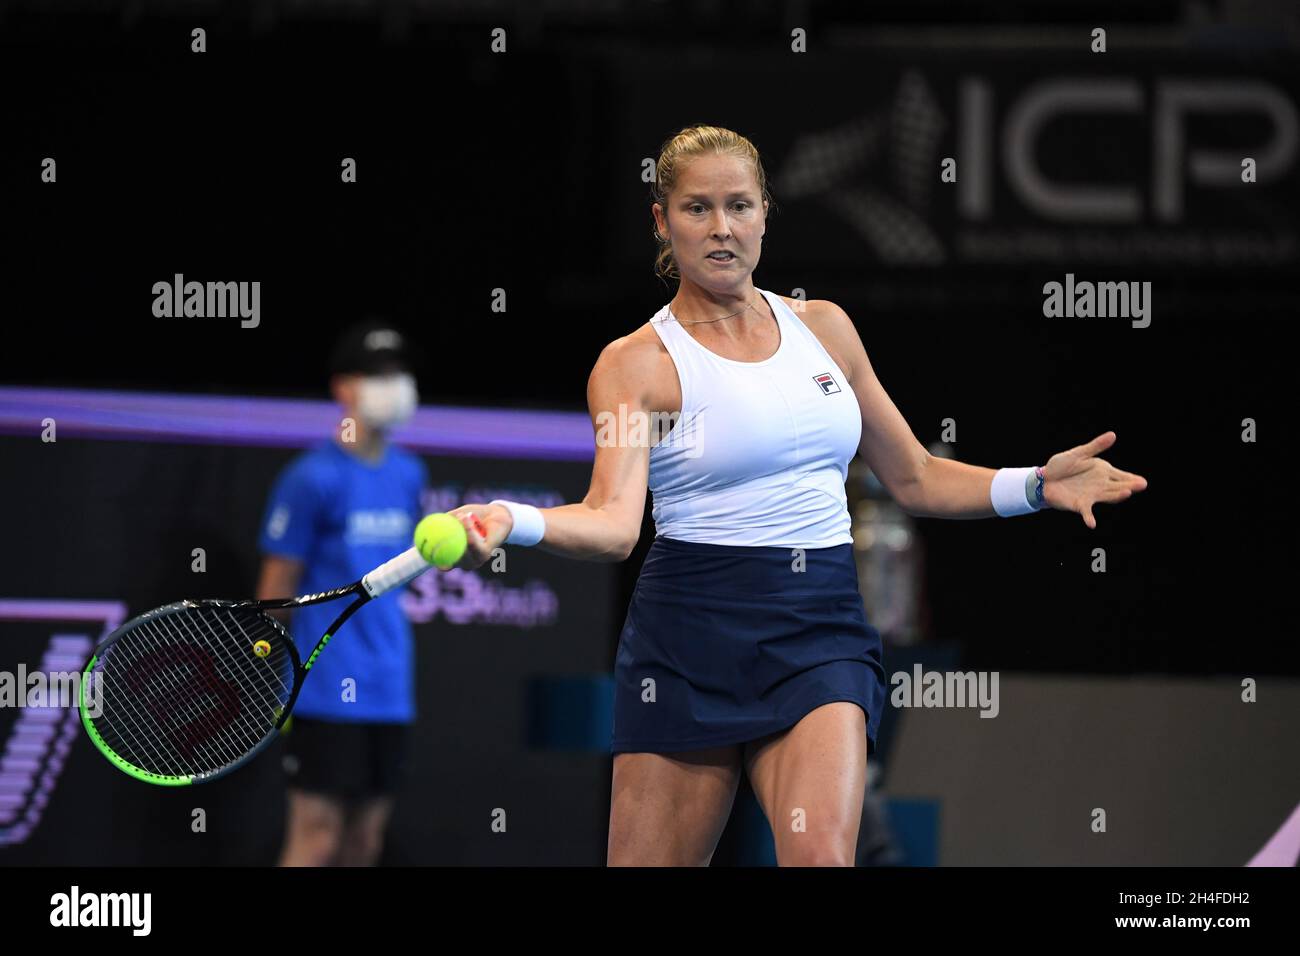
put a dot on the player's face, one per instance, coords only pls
(716, 204)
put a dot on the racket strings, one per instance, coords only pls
(206, 730)
(156, 712)
(166, 702)
(180, 689)
(184, 693)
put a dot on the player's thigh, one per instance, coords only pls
(670, 809)
(810, 781)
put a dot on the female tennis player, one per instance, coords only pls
(746, 646)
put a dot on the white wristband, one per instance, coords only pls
(1008, 492)
(528, 524)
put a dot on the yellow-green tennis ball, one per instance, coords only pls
(440, 539)
(261, 648)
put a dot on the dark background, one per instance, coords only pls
(522, 172)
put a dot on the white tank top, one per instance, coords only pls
(761, 452)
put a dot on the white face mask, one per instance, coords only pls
(384, 401)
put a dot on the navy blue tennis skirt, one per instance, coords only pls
(739, 645)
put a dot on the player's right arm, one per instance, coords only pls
(606, 524)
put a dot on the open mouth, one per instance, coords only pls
(722, 256)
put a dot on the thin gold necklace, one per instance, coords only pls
(748, 305)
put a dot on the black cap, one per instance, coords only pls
(372, 347)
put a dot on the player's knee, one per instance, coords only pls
(315, 834)
(629, 845)
(620, 852)
(629, 855)
(808, 849)
(313, 845)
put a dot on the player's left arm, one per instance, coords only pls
(927, 486)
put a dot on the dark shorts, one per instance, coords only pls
(348, 761)
(740, 645)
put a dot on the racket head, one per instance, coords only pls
(179, 695)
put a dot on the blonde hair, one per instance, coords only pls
(678, 150)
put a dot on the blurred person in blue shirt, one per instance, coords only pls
(338, 510)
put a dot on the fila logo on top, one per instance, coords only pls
(827, 383)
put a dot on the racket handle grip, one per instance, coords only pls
(395, 573)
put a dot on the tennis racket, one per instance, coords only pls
(190, 692)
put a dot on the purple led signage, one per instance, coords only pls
(38, 744)
(288, 423)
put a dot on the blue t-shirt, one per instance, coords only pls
(343, 516)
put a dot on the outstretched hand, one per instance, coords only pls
(1075, 480)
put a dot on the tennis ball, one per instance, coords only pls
(440, 539)
(261, 648)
